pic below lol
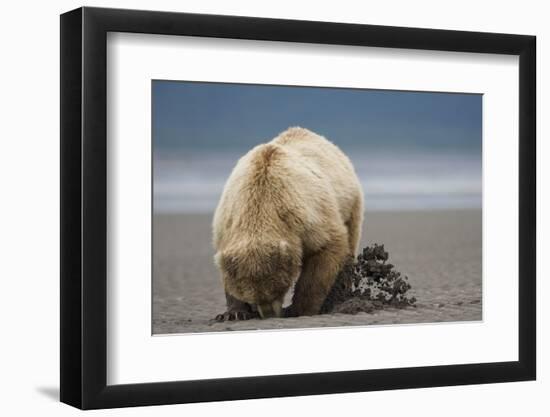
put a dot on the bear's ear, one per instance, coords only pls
(286, 256)
(226, 263)
(289, 254)
(284, 246)
(218, 259)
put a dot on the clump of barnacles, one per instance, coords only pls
(368, 283)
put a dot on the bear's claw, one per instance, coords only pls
(236, 316)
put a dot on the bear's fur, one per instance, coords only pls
(290, 213)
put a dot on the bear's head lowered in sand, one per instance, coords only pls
(260, 273)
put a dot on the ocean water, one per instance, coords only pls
(407, 179)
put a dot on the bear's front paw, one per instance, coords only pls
(237, 315)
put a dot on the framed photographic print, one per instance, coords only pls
(257, 207)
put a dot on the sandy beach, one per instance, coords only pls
(440, 252)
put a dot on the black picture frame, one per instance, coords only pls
(84, 207)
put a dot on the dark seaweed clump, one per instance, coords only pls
(368, 283)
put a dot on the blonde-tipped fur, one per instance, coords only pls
(290, 213)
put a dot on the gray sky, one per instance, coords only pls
(205, 115)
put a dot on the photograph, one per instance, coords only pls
(272, 205)
(300, 207)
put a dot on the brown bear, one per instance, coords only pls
(290, 214)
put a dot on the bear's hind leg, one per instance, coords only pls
(319, 271)
(236, 310)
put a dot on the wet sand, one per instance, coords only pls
(440, 252)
